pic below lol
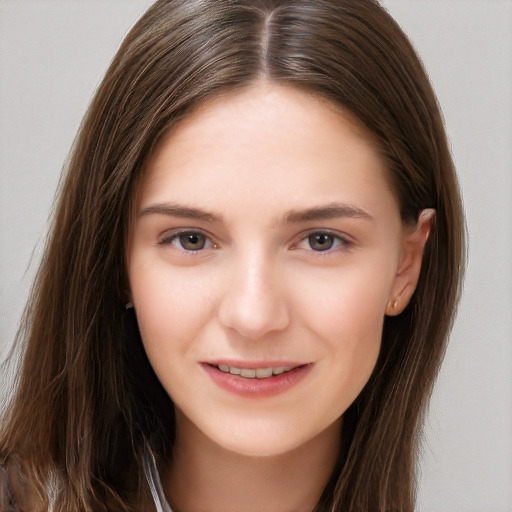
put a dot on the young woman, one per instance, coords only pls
(252, 272)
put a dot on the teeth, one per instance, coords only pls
(258, 373)
(263, 373)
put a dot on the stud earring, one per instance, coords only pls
(128, 305)
(391, 310)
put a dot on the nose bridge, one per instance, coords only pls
(254, 303)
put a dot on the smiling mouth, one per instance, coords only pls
(255, 373)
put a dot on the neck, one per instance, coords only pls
(204, 476)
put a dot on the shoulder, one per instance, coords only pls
(7, 497)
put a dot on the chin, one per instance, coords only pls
(261, 447)
(264, 439)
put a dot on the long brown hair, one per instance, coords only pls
(87, 403)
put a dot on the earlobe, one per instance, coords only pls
(409, 269)
(392, 307)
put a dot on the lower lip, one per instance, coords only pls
(256, 388)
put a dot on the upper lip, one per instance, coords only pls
(254, 365)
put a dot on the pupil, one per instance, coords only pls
(321, 242)
(192, 241)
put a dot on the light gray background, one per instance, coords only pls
(53, 54)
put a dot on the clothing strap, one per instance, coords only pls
(155, 484)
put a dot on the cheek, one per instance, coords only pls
(348, 302)
(170, 306)
(353, 336)
(346, 315)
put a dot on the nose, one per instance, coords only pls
(254, 303)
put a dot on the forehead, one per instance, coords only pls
(268, 107)
(271, 141)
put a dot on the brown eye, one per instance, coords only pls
(192, 241)
(321, 241)
(188, 241)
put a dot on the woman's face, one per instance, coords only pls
(266, 249)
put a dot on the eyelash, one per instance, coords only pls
(338, 242)
(177, 236)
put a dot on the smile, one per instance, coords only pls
(254, 373)
(264, 379)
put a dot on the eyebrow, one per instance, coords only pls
(329, 211)
(324, 212)
(185, 212)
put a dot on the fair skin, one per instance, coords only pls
(266, 250)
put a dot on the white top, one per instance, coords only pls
(155, 484)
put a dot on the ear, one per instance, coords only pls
(409, 268)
